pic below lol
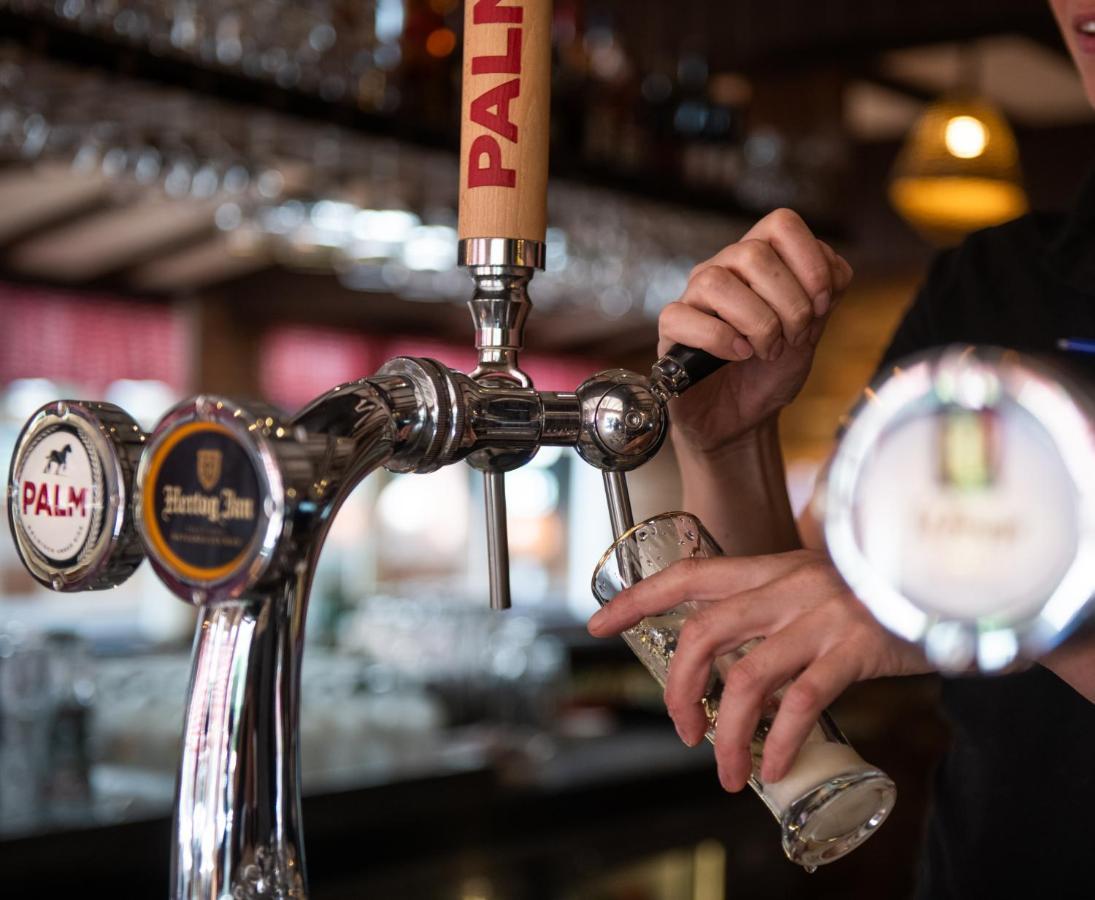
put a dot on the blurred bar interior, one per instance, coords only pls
(259, 199)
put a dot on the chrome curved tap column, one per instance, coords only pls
(237, 818)
(237, 828)
(232, 504)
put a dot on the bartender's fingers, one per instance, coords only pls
(679, 323)
(716, 290)
(747, 687)
(708, 634)
(842, 276)
(803, 702)
(792, 239)
(701, 580)
(842, 270)
(758, 265)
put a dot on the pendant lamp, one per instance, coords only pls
(958, 170)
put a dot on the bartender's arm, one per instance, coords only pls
(748, 304)
(762, 303)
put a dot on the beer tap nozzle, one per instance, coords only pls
(501, 269)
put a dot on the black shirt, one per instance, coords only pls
(1014, 803)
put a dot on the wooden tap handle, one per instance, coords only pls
(505, 119)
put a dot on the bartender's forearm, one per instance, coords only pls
(740, 492)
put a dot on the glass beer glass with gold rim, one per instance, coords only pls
(831, 800)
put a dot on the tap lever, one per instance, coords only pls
(681, 368)
(494, 484)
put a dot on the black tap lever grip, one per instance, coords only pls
(682, 367)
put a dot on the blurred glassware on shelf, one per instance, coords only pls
(72, 686)
(622, 110)
(356, 720)
(379, 214)
(321, 48)
(486, 666)
(24, 722)
(958, 170)
(375, 708)
(47, 691)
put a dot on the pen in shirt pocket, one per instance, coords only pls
(1076, 345)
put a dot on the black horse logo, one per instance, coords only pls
(58, 459)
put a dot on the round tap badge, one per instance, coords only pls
(961, 506)
(68, 493)
(203, 502)
(58, 495)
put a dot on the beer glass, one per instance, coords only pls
(831, 800)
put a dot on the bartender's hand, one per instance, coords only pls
(761, 303)
(816, 633)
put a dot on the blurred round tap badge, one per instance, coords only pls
(210, 503)
(960, 506)
(68, 495)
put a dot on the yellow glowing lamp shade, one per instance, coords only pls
(958, 171)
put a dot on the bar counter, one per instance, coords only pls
(541, 830)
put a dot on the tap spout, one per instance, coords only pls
(237, 817)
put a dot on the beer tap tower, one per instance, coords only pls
(231, 502)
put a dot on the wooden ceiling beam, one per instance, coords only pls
(37, 199)
(205, 263)
(96, 246)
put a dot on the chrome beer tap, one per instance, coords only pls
(232, 502)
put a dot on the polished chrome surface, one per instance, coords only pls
(474, 252)
(623, 423)
(115, 441)
(237, 826)
(499, 309)
(619, 503)
(668, 379)
(501, 417)
(562, 422)
(504, 427)
(431, 430)
(494, 490)
(491, 421)
(237, 815)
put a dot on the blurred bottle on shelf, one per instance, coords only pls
(72, 689)
(24, 723)
(46, 696)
